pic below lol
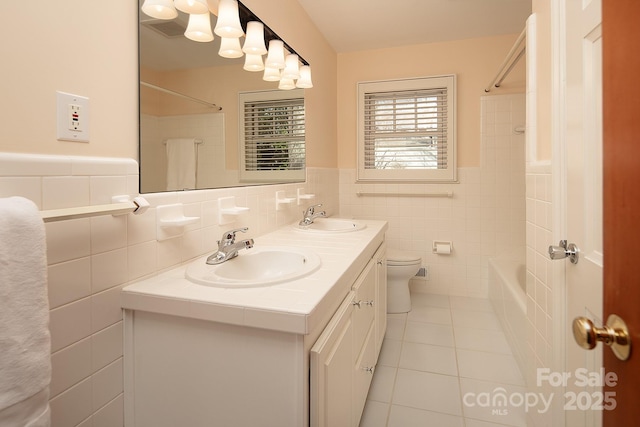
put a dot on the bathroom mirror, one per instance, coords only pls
(189, 106)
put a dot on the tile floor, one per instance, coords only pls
(445, 350)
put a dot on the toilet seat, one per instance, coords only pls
(400, 258)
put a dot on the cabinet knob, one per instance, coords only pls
(359, 304)
(369, 369)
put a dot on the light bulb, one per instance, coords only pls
(192, 6)
(304, 81)
(160, 9)
(286, 84)
(291, 70)
(275, 56)
(253, 62)
(271, 74)
(199, 28)
(230, 47)
(254, 43)
(228, 23)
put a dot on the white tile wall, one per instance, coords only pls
(539, 286)
(415, 222)
(90, 260)
(484, 219)
(503, 170)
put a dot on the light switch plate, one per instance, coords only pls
(72, 117)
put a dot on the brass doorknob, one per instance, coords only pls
(614, 334)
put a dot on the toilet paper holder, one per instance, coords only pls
(442, 247)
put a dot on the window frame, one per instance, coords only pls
(267, 176)
(448, 174)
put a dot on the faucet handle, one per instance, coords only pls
(311, 209)
(230, 236)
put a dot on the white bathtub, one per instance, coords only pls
(507, 292)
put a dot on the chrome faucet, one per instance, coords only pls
(310, 214)
(228, 247)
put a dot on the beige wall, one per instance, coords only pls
(83, 48)
(78, 47)
(475, 62)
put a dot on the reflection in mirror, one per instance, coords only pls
(207, 123)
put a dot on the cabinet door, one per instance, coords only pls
(332, 360)
(381, 296)
(363, 374)
(365, 304)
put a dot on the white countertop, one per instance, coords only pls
(294, 306)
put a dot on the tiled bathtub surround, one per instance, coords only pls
(91, 259)
(484, 219)
(503, 169)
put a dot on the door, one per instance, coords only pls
(621, 35)
(603, 198)
(584, 224)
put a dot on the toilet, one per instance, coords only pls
(401, 266)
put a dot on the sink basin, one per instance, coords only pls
(256, 267)
(332, 225)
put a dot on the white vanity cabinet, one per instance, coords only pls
(199, 356)
(344, 357)
(195, 373)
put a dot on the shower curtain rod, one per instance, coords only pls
(508, 64)
(171, 92)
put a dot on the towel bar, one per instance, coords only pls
(441, 194)
(137, 206)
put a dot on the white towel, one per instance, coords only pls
(181, 164)
(25, 343)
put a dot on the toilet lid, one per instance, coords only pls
(396, 257)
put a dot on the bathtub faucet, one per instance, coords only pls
(228, 247)
(310, 214)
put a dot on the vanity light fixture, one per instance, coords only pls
(192, 6)
(254, 43)
(228, 24)
(287, 68)
(230, 47)
(160, 9)
(199, 28)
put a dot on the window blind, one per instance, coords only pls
(406, 129)
(274, 134)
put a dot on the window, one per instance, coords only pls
(272, 136)
(406, 130)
